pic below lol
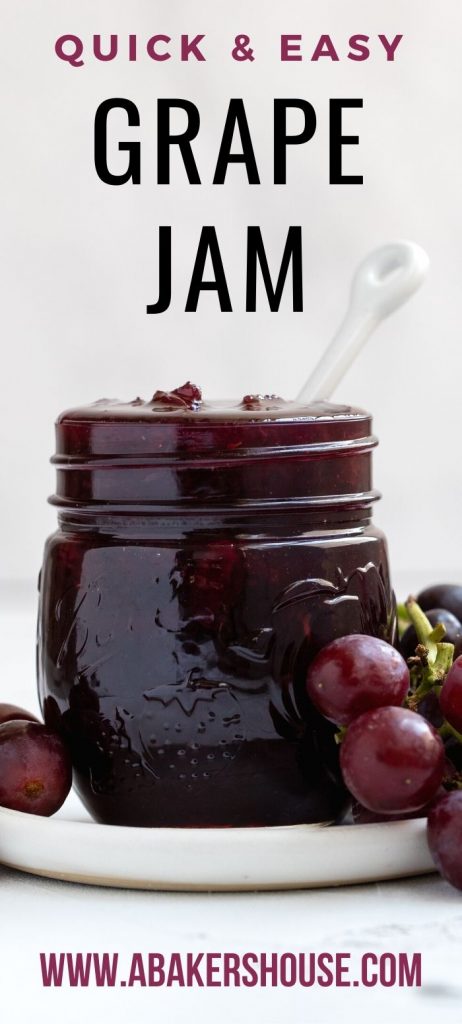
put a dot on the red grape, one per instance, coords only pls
(362, 816)
(392, 760)
(451, 695)
(35, 768)
(442, 595)
(354, 674)
(12, 713)
(444, 833)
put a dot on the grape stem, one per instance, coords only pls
(433, 657)
(402, 618)
(447, 730)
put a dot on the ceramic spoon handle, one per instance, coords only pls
(383, 281)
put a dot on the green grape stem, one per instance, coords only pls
(402, 619)
(433, 657)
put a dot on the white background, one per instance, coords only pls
(79, 257)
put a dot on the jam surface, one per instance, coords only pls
(186, 592)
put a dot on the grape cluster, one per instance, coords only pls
(400, 720)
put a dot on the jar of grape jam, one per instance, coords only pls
(205, 553)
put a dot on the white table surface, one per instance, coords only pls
(416, 915)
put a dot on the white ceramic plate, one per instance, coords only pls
(70, 846)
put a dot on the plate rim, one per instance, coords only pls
(302, 856)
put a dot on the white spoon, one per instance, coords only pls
(383, 281)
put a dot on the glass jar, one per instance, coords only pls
(205, 553)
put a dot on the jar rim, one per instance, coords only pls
(252, 409)
(121, 430)
(316, 456)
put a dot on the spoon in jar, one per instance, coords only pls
(383, 281)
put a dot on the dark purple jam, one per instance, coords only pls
(205, 553)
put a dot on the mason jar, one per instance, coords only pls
(204, 553)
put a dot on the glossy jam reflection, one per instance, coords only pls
(205, 554)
